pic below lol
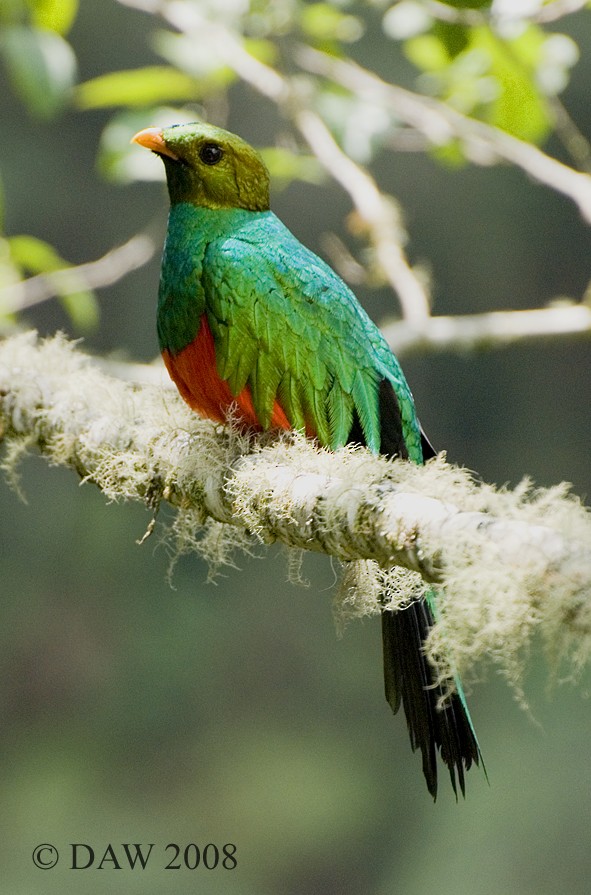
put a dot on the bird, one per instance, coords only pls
(253, 323)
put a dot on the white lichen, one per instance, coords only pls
(506, 565)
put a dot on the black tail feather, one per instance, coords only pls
(410, 681)
(434, 723)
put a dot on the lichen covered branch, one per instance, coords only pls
(506, 564)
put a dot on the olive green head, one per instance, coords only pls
(208, 166)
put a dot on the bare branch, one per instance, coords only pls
(558, 10)
(490, 330)
(105, 271)
(570, 135)
(373, 207)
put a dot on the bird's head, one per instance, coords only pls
(208, 166)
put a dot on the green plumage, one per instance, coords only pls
(282, 321)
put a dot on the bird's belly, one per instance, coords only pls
(194, 372)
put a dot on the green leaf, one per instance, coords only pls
(263, 50)
(323, 21)
(55, 15)
(496, 80)
(34, 255)
(454, 37)
(41, 67)
(12, 12)
(137, 87)
(519, 108)
(82, 308)
(285, 166)
(427, 52)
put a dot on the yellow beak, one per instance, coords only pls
(151, 138)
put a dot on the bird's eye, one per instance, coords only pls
(211, 154)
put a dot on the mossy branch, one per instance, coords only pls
(505, 563)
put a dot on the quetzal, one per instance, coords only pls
(251, 319)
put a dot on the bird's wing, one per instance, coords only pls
(287, 326)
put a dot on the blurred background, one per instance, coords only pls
(136, 711)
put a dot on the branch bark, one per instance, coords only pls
(495, 329)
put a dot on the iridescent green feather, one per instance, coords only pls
(279, 308)
(340, 412)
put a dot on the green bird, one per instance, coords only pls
(250, 319)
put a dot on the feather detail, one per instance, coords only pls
(364, 394)
(195, 374)
(289, 398)
(239, 370)
(317, 414)
(264, 381)
(340, 413)
(435, 721)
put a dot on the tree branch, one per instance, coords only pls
(379, 214)
(494, 329)
(473, 17)
(508, 564)
(558, 10)
(105, 271)
(440, 123)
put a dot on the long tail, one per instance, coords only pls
(410, 679)
(434, 723)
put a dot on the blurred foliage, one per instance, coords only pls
(27, 255)
(498, 67)
(479, 74)
(140, 87)
(41, 67)
(504, 74)
(40, 63)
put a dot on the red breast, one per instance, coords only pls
(194, 372)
